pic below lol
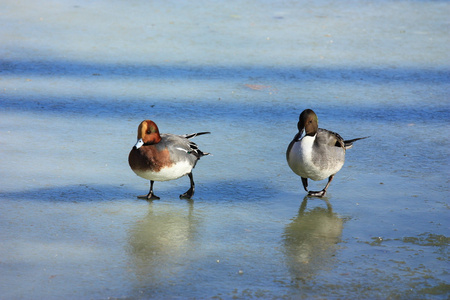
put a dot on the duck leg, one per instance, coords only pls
(322, 192)
(305, 183)
(189, 193)
(150, 195)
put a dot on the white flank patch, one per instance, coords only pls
(175, 171)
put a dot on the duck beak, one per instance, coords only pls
(139, 144)
(298, 136)
(301, 127)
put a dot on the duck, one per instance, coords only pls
(318, 154)
(163, 157)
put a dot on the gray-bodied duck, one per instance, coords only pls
(162, 157)
(318, 154)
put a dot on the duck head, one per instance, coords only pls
(148, 134)
(309, 122)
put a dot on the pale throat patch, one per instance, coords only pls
(300, 158)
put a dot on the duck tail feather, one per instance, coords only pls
(349, 143)
(192, 135)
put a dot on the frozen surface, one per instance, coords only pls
(77, 77)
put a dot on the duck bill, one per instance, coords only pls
(298, 136)
(139, 144)
(301, 129)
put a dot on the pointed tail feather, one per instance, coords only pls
(192, 135)
(349, 143)
(197, 152)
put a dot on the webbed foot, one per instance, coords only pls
(317, 193)
(188, 194)
(149, 196)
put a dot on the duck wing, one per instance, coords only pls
(329, 138)
(181, 147)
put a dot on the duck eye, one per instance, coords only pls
(148, 132)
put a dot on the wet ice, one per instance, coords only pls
(77, 78)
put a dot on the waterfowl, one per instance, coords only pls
(162, 157)
(318, 154)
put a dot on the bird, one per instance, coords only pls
(163, 157)
(318, 154)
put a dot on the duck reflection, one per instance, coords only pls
(162, 244)
(310, 240)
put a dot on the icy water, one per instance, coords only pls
(77, 77)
